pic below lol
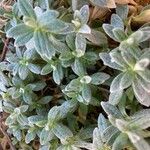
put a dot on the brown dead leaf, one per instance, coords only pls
(143, 17)
(98, 13)
(142, 2)
(111, 4)
(132, 2)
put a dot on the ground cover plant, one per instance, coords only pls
(75, 75)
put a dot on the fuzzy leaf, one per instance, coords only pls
(45, 136)
(99, 78)
(141, 95)
(111, 110)
(26, 9)
(43, 45)
(62, 132)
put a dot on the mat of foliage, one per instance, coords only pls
(75, 74)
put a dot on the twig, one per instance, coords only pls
(5, 48)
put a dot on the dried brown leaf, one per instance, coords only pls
(99, 13)
(126, 2)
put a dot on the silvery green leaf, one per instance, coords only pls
(117, 58)
(58, 45)
(138, 141)
(23, 39)
(111, 110)
(2, 87)
(23, 72)
(45, 147)
(142, 123)
(17, 134)
(66, 56)
(97, 141)
(145, 74)
(108, 61)
(17, 81)
(116, 21)
(63, 147)
(74, 4)
(48, 15)
(119, 34)
(115, 97)
(36, 119)
(29, 137)
(10, 120)
(19, 30)
(146, 54)
(70, 38)
(37, 86)
(140, 93)
(43, 45)
(80, 43)
(126, 80)
(16, 94)
(46, 69)
(145, 36)
(30, 44)
(109, 31)
(112, 138)
(54, 114)
(27, 97)
(122, 11)
(121, 142)
(78, 68)
(30, 54)
(99, 78)
(102, 123)
(55, 26)
(96, 37)
(86, 93)
(8, 107)
(74, 85)
(34, 68)
(85, 29)
(23, 108)
(19, 53)
(46, 136)
(22, 120)
(85, 13)
(81, 99)
(144, 84)
(115, 85)
(45, 100)
(62, 132)
(141, 114)
(26, 8)
(83, 144)
(131, 48)
(67, 107)
(58, 74)
(142, 64)
(86, 133)
(15, 69)
(90, 58)
(136, 37)
(128, 58)
(108, 132)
